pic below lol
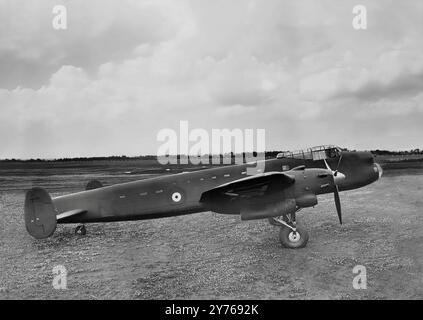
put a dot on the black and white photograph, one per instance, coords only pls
(210, 150)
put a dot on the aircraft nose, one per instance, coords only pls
(377, 167)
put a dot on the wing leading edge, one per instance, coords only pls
(68, 214)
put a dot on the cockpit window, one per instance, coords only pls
(315, 153)
(331, 153)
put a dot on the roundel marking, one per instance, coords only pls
(176, 197)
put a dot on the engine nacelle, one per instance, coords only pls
(306, 200)
(264, 210)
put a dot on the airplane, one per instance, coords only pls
(290, 182)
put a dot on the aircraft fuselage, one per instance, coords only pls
(181, 193)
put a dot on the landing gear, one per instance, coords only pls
(290, 235)
(293, 239)
(274, 221)
(81, 230)
(281, 220)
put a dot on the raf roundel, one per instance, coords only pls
(176, 197)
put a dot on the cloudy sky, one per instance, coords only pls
(123, 70)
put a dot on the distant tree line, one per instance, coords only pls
(81, 159)
(397, 153)
(268, 154)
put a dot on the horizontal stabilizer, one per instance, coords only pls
(93, 184)
(70, 213)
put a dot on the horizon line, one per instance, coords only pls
(118, 157)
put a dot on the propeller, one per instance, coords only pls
(338, 203)
(335, 173)
(337, 177)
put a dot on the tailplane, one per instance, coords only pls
(93, 184)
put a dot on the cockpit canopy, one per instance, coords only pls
(314, 153)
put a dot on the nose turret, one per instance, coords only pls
(359, 168)
(378, 169)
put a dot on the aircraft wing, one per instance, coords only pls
(256, 197)
(249, 187)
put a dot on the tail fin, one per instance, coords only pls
(40, 214)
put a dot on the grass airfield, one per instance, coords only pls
(212, 256)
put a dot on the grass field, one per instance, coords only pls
(207, 255)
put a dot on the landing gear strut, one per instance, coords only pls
(81, 230)
(290, 235)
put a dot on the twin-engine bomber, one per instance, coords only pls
(288, 183)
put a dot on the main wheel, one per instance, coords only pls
(81, 230)
(293, 239)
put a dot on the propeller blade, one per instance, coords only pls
(335, 173)
(327, 165)
(336, 190)
(337, 166)
(338, 203)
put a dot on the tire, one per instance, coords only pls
(289, 240)
(81, 230)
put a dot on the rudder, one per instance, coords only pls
(40, 214)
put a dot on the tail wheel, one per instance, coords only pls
(293, 239)
(81, 230)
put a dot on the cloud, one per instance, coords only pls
(125, 70)
(98, 31)
(395, 74)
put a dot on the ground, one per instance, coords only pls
(212, 256)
